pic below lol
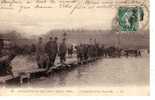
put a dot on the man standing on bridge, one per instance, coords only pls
(63, 51)
(55, 50)
(51, 50)
(41, 56)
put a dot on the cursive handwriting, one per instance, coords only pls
(73, 5)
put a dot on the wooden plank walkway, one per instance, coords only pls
(26, 76)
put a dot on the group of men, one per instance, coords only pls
(46, 53)
(91, 50)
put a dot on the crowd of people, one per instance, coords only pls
(47, 53)
(89, 50)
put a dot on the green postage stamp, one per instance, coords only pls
(129, 18)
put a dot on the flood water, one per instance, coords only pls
(104, 72)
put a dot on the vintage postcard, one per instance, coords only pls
(74, 47)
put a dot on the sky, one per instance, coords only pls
(40, 21)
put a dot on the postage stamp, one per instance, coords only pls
(129, 18)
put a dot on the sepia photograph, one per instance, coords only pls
(98, 47)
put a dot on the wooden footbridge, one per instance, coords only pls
(26, 76)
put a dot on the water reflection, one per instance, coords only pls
(104, 72)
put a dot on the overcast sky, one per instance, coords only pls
(40, 21)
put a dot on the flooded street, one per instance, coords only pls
(104, 72)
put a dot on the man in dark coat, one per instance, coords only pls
(85, 51)
(41, 57)
(55, 50)
(51, 50)
(1, 45)
(70, 50)
(62, 51)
